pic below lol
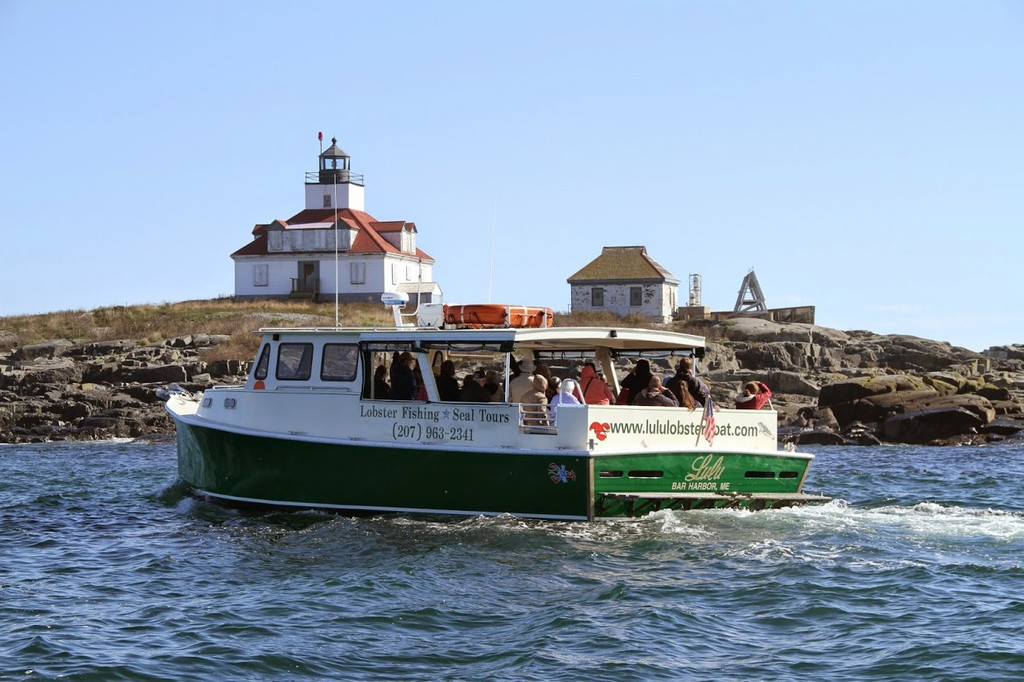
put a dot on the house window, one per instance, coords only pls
(597, 297)
(394, 273)
(357, 273)
(636, 296)
(327, 201)
(260, 275)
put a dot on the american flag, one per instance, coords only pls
(708, 420)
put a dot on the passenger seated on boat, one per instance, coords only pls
(594, 390)
(447, 384)
(565, 396)
(381, 387)
(520, 385)
(636, 381)
(421, 388)
(681, 393)
(696, 387)
(473, 390)
(403, 380)
(493, 385)
(656, 395)
(553, 381)
(754, 396)
(535, 403)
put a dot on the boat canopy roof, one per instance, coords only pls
(626, 341)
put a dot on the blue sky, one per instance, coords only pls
(863, 157)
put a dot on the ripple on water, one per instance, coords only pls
(112, 571)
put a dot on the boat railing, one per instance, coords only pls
(536, 419)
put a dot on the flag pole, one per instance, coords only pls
(337, 282)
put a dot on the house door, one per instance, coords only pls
(309, 276)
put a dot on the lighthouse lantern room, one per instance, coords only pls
(334, 185)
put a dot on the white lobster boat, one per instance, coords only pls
(307, 431)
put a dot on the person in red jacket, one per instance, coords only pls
(595, 390)
(755, 395)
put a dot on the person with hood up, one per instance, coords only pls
(594, 390)
(564, 397)
(656, 394)
(535, 403)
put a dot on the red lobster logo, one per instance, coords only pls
(599, 430)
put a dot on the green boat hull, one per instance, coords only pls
(356, 477)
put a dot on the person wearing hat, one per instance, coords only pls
(522, 383)
(473, 390)
(754, 396)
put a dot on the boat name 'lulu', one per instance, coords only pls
(704, 469)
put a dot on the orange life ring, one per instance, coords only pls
(482, 315)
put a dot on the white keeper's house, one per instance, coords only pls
(298, 257)
(624, 280)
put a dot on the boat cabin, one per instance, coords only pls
(347, 359)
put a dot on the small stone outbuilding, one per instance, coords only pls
(625, 280)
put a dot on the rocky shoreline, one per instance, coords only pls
(830, 386)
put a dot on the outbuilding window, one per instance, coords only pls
(636, 296)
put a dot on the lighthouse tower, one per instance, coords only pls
(334, 185)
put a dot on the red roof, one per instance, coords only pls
(367, 239)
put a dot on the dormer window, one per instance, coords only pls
(408, 241)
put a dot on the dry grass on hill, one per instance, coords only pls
(237, 319)
(154, 323)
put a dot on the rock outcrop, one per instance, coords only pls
(829, 386)
(66, 390)
(864, 388)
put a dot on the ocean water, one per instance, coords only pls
(109, 571)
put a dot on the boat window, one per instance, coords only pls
(473, 347)
(658, 354)
(263, 363)
(339, 363)
(294, 361)
(645, 473)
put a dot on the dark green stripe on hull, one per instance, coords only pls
(278, 471)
